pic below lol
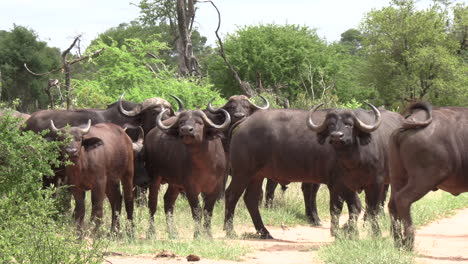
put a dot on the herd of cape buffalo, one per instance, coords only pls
(194, 151)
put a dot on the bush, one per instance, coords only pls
(29, 229)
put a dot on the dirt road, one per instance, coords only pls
(442, 242)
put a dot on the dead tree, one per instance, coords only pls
(245, 86)
(66, 68)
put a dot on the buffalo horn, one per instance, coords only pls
(312, 125)
(52, 126)
(181, 104)
(266, 106)
(369, 128)
(221, 127)
(210, 107)
(132, 112)
(86, 129)
(160, 124)
(137, 146)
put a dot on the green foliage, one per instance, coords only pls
(28, 231)
(412, 55)
(151, 32)
(17, 47)
(129, 68)
(284, 58)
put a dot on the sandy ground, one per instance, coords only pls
(442, 242)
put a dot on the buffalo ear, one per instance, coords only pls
(322, 136)
(92, 143)
(212, 133)
(364, 138)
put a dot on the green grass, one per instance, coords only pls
(288, 209)
(370, 249)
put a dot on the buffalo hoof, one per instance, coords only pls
(315, 222)
(231, 234)
(264, 234)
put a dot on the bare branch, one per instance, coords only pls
(40, 74)
(245, 86)
(95, 54)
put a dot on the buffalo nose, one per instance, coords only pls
(239, 115)
(337, 135)
(71, 151)
(186, 130)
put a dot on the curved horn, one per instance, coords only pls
(210, 107)
(137, 146)
(369, 128)
(411, 123)
(221, 127)
(87, 128)
(181, 104)
(132, 112)
(52, 126)
(160, 124)
(266, 106)
(312, 125)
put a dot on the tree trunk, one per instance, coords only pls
(188, 64)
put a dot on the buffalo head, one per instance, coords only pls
(148, 110)
(344, 127)
(76, 139)
(192, 126)
(238, 107)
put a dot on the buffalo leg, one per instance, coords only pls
(115, 200)
(127, 185)
(354, 207)
(395, 227)
(79, 211)
(97, 202)
(310, 191)
(196, 211)
(251, 202)
(270, 192)
(373, 195)
(414, 190)
(336, 206)
(233, 193)
(169, 203)
(209, 201)
(153, 202)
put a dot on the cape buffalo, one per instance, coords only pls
(278, 145)
(362, 150)
(239, 108)
(102, 157)
(115, 114)
(429, 152)
(186, 152)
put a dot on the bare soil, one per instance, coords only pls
(442, 242)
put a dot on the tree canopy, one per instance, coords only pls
(413, 55)
(17, 47)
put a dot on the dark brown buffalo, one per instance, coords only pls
(360, 139)
(102, 157)
(115, 114)
(186, 152)
(239, 108)
(278, 145)
(429, 152)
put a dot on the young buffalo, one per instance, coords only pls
(102, 157)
